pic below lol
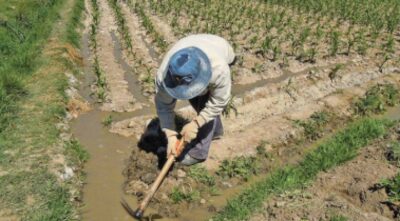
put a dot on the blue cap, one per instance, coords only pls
(188, 74)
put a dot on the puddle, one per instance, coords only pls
(103, 188)
(239, 89)
(393, 113)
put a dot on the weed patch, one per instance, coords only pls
(241, 167)
(337, 150)
(338, 218)
(392, 188)
(202, 175)
(178, 195)
(314, 127)
(376, 99)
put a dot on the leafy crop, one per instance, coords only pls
(201, 174)
(314, 127)
(178, 195)
(376, 99)
(241, 167)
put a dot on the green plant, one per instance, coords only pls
(178, 195)
(334, 72)
(376, 99)
(261, 151)
(313, 127)
(201, 174)
(338, 218)
(73, 147)
(230, 107)
(393, 152)
(241, 167)
(392, 187)
(107, 121)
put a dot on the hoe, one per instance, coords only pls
(138, 214)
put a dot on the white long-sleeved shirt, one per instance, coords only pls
(220, 53)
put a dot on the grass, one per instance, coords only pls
(32, 102)
(338, 218)
(342, 147)
(376, 99)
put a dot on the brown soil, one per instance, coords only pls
(118, 98)
(347, 190)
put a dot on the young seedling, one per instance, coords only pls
(107, 121)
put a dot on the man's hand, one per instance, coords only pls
(190, 130)
(172, 140)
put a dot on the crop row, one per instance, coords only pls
(101, 85)
(144, 71)
(148, 25)
(274, 31)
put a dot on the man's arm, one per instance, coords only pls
(165, 105)
(220, 95)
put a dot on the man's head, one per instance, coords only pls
(188, 74)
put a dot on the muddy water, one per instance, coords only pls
(103, 190)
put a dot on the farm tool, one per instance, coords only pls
(138, 214)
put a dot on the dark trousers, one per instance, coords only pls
(200, 146)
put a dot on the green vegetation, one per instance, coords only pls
(314, 127)
(148, 25)
(178, 195)
(75, 21)
(338, 218)
(230, 107)
(337, 150)
(101, 84)
(376, 99)
(24, 28)
(242, 167)
(107, 121)
(122, 26)
(306, 30)
(261, 151)
(32, 102)
(392, 188)
(393, 152)
(201, 175)
(73, 148)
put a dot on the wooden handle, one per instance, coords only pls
(157, 182)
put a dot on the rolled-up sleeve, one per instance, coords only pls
(165, 105)
(220, 93)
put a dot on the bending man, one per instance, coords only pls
(197, 69)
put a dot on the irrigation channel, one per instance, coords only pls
(109, 152)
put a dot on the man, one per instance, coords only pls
(197, 69)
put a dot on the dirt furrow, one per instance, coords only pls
(142, 45)
(119, 98)
(163, 28)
